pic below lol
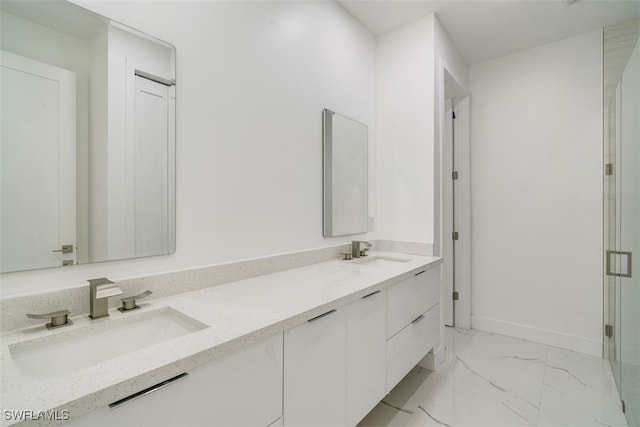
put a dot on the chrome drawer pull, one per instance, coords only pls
(371, 294)
(322, 315)
(417, 319)
(147, 391)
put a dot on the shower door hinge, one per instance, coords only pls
(608, 169)
(608, 331)
(454, 235)
(455, 296)
(454, 175)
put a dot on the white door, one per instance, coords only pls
(38, 167)
(448, 263)
(150, 157)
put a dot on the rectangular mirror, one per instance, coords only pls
(345, 175)
(87, 145)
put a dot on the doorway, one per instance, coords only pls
(456, 214)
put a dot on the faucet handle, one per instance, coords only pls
(346, 255)
(129, 303)
(58, 318)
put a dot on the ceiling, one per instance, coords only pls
(486, 29)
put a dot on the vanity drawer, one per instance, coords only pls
(410, 345)
(412, 297)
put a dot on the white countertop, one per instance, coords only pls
(238, 314)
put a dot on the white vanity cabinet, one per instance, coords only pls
(314, 371)
(334, 371)
(366, 342)
(243, 388)
(413, 323)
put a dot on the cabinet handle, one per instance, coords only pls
(417, 319)
(321, 316)
(417, 274)
(371, 294)
(147, 391)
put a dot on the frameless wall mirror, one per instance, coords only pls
(87, 145)
(346, 174)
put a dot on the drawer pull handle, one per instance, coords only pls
(321, 316)
(417, 274)
(147, 391)
(417, 319)
(371, 294)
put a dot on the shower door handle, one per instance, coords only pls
(610, 264)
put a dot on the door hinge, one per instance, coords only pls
(608, 331)
(456, 296)
(453, 115)
(454, 235)
(454, 175)
(624, 408)
(608, 169)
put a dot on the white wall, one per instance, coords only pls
(252, 80)
(408, 114)
(405, 132)
(448, 59)
(536, 153)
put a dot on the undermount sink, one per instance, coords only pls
(77, 349)
(379, 260)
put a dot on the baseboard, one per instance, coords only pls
(542, 336)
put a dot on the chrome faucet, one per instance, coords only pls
(356, 252)
(99, 292)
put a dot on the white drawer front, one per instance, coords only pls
(412, 297)
(410, 345)
(217, 393)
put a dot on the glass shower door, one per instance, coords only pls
(629, 220)
(622, 210)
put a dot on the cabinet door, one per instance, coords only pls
(314, 372)
(366, 343)
(412, 297)
(241, 389)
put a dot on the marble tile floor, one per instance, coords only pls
(494, 380)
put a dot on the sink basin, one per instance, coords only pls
(379, 260)
(80, 348)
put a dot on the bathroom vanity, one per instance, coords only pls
(320, 344)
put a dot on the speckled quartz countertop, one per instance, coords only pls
(237, 314)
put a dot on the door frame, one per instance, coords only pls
(450, 87)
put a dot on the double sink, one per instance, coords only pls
(80, 347)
